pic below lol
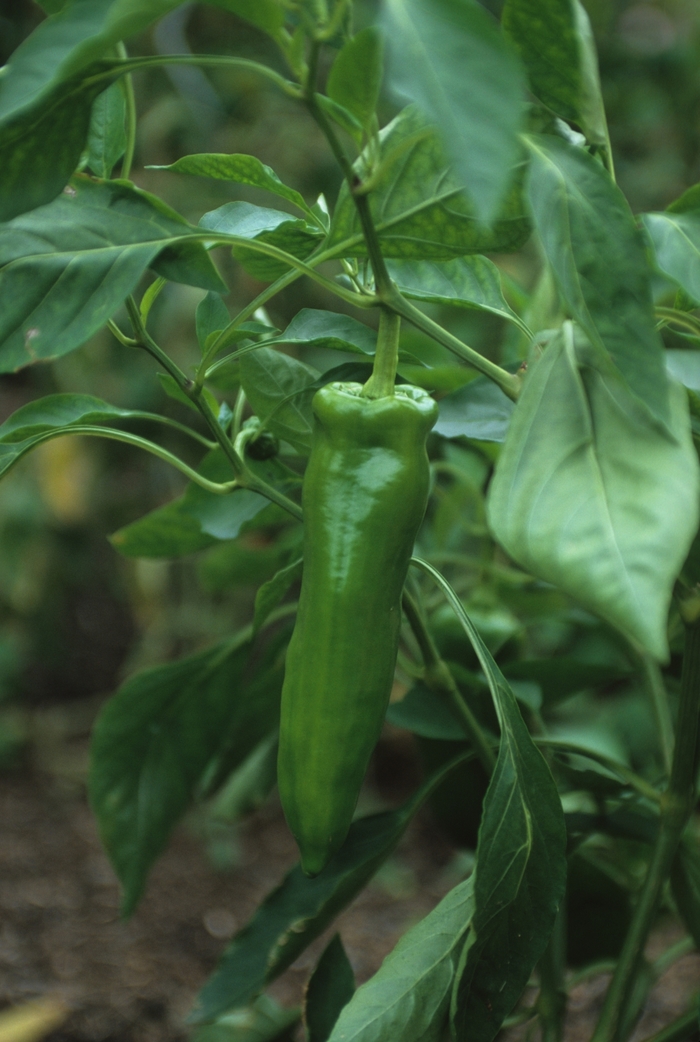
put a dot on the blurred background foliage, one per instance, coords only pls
(76, 617)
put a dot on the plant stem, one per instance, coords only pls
(386, 359)
(676, 808)
(659, 701)
(682, 1029)
(680, 318)
(551, 1001)
(440, 680)
(130, 99)
(121, 66)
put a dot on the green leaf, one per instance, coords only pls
(66, 267)
(450, 57)
(597, 258)
(211, 317)
(685, 883)
(47, 91)
(300, 909)
(675, 239)
(271, 593)
(589, 495)
(355, 78)
(263, 1021)
(686, 202)
(242, 169)
(520, 870)
(480, 410)
(274, 227)
(267, 15)
(331, 987)
(408, 998)
(280, 389)
(684, 366)
(326, 329)
(422, 713)
(154, 739)
(467, 282)
(340, 115)
(107, 137)
(249, 786)
(561, 676)
(418, 206)
(555, 42)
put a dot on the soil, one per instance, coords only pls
(135, 981)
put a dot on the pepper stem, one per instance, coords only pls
(381, 382)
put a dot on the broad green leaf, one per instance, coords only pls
(684, 366)
(450, 57)
(270, 226)
(355, 78)
(107, 137)
(597, 258)
(331, 987)
(66, 267)
(686, 202)
(480, 410)
(555, 42)
(271, 593)
(675, 239)
(590, 495)
(280, 389)
(242, 169)
(418, 205)
(263, 1021)
(154, 739)
(520, 871)
(267, 15)
(211, 317)
(467, 282)
(47, 91)
(685, 883)
(327, 329)
(409, 996)
(421, 712)
(300, 909)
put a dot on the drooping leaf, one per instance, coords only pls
(480, 410)
(685, 883)
(280, 389)
(597, 259)
(520, 870)
(329, 330)
(271, 593)
(675, 239)
(107, 136)
(467, 282)
(211, 317)
(331, 986)
(293, 915)
(274, 227)
(154, 739)
(555, 41)
(241, 169)
(592, 496)
(409, 996)
(355, 78)
(450, 57)
(66, 267)
(418, 206)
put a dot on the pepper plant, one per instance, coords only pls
(491, 137)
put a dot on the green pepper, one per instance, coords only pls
(364, 496)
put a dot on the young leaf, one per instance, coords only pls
(589, 495)
(300, 909)
(280, 389)
(409, 996)
(107, 137)
(154, 739)
(555, 41)
(467, 282)
(271, 593)
(66, 267)
(331, 987)
(243, 170)
(520, 864)
(597, 258)
(274, 227)
(211, 317)
(480, 410)
(356, 76)
(450, 57)
(675, 239)
(418, 205)
(329, 330)
(685, 883)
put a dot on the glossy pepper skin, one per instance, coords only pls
(364, 496)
